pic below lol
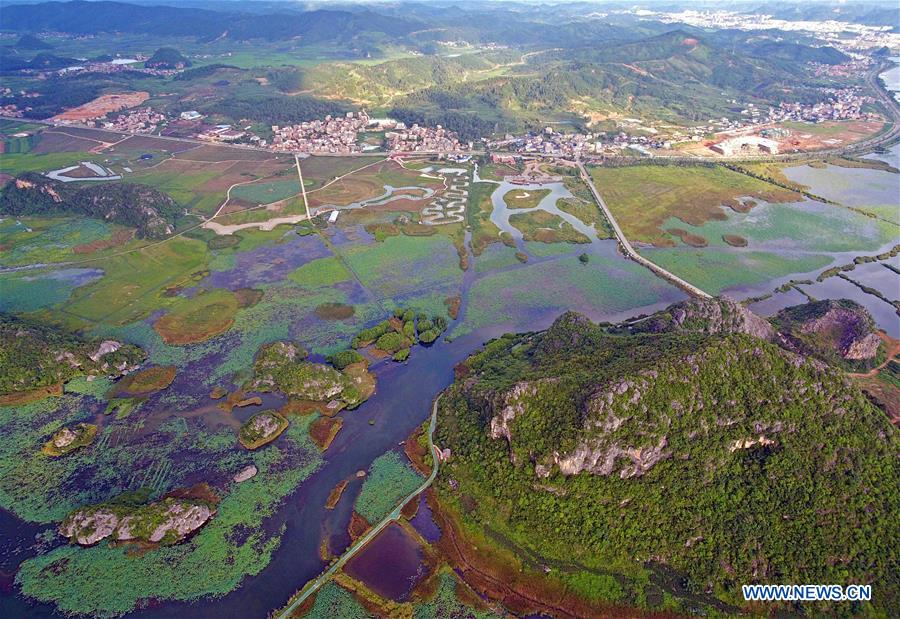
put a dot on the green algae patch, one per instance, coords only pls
(262, 429)
(144, 382)
(214, 562)
(194, 320)
(66, 440)
(320, 272)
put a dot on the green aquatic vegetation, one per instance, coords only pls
(715, 270)
(445, 603)
(390, 479)
(498, 256)
(404, 264)
(46, 240)
(808, 225)
(232, 546)
(606, 285)
(320, 272)
(29, 291)
(332, 600)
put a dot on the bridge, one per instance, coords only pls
(314, 585)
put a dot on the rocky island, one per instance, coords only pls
(163, 522)
(68, 439)
(262, 429)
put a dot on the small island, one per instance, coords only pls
(163, 522)
(262, 429)
(68, 439)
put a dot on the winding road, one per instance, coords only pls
(314, 585)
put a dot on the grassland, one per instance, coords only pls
(546, 228)
(525, 198)
(642, 198)
(478, 215)
(266, 192)
(588, 213)
(16, 163)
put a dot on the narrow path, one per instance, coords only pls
(892, 349)
(629, 250)
(314, 585)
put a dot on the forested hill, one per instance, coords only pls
(96, 17)
(150, 211)
(693, 444)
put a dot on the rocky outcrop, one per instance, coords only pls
(89, 526)
(244, 474)
(36, 355)
(839, 331)
(709, 316)
(106, 347)
(261, 429)
(164, 522)
(181, 520)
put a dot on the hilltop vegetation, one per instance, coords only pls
(748, 463)
(34, 356)
(151, 212)
(167, 58)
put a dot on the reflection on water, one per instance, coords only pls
(390, 565)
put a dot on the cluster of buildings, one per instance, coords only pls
(141, 120)
(222, 133)
(116, 65)
(859, 36)
(550, 142)
(338, 134)
(841, 104)
(428, 139)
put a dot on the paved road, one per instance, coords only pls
(629, 250)
(314, 585)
